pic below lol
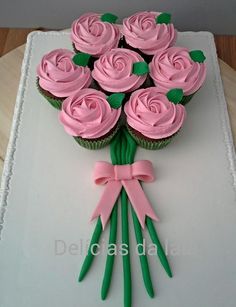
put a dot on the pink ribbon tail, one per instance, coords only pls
(139, 201)
(107, 202)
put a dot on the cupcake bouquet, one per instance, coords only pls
(124, 86)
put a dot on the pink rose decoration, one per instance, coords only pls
(143, 32)
(60, 76)
(174, 68)
(153, 115)
(88, 114)
(113, 71)
(91, 35)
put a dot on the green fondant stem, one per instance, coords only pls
(125, 228)
(126, 256)
(91, 250)
(122, 151)
(131, 148)
(143, 258)
(110, 258)
(160, 251)
(130, 153)
(115, 153)
(115, 156)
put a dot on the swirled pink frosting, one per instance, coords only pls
(141, 31)
(113, 71)
(173, 68)
(88, 114)
(60, 76)
(153, 115)
(91, 35)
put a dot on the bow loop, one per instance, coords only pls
(103, 172)
(143, 170)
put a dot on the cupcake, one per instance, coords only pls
(149, 32)
(88, 116)
(176, 67)
(120, 70)
(153, 118)
(59, 77)
(95, 34)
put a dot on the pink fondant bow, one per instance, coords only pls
(128, 176)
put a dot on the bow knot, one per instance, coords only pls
(127, 176)
(123, 172)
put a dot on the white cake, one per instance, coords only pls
(47, 197)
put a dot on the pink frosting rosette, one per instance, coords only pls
(153, 115)
(174, 68)
(114, 71)
(88, 114)
(93, 36)
(60, 76)
(142, 31)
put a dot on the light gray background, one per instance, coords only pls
(216, 16)
(50, 196)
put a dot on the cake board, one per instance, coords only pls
(47, 197)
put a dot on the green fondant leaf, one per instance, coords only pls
(115, 100)
(175, 95)
(163, 18)
(197, 56)
(81, 59)
(108, 17)
(140, 68)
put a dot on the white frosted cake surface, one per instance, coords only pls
(47, 194)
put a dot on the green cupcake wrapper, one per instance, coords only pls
(96, 144)
(150, 144)
(55, 102)
(186, 99)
